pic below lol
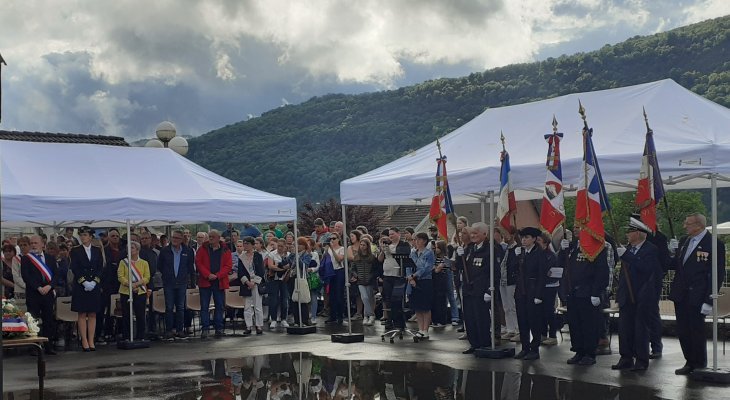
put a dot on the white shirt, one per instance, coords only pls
(88, 251)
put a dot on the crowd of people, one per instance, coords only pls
(394, 275)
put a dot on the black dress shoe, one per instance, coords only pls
(686, 370)
(640, 366)
(247, 332)
(92, 348)
(259, 332)
(587, 360)
(655, 355)
(86, 349)
(521, 355)
(533, 355)
(460, 329)
(575, 359)
(623, 363)
(470, 350)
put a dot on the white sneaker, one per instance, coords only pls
(314, 320)
(284, 324)
(369, 320)
(412, 318)
(273, 325)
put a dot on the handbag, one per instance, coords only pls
(301, 291)
(315, 282)
(264, 286)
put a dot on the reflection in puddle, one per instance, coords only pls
(304, 376)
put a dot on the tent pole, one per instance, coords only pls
(129, 279)
(713, 181)
(347, 271)
(483, 205)
(491, 267)
(300, 274)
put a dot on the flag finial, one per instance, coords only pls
(501, 138)
(555, 125)
(438, 144)
(582, 112)
(646, 121)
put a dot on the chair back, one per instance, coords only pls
(723, 303)
(233, 298)
(192, 300)
(117, 306)
(63, 310)
(158, 301)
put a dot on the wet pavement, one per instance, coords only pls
(281, 366)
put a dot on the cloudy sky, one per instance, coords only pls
(120, 67)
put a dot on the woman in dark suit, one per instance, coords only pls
(86, 264)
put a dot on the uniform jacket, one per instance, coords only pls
(476, 273)
(85, 269)
(692, 279)
(583, 278)
(532, 276)
(643, 268)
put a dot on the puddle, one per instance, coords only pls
(304, 376)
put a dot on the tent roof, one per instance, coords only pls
(691, 134)
(60, 184)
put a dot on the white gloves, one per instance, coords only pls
(537, 301)
(460, 251)
(569, 236)
(621, 250)
(596, 301)
(89, 286)
(673, 244)
(706, 309)
(564, 244)
(487, 298)
(518, 250)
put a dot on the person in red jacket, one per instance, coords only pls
(214, 262)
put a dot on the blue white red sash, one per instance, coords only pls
(136, 275)
(41, 266)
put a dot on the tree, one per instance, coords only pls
(331, 210)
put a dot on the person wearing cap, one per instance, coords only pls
(530, 292)
(87, 263)
(635, 295)
(692, 288)
(584, 283)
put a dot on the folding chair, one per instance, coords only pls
(158, 306)
(234, 301)
(64, 314)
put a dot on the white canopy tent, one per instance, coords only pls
(102, 190)
(691, 133)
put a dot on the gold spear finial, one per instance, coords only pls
(501, 138)
(582, 112)
(555, 125)
(646, 120)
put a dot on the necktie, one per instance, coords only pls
(634, 250)
(690, 247)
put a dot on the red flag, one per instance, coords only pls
(552, 211)
(507, 204)
(441, 204)
(588, 213)
(651, 188)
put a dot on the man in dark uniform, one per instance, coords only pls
(476, 287)
(584, 282)
(529, 293)
(38, 269)
(692, 287)
(636, 296)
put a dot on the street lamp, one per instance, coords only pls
(166, 137)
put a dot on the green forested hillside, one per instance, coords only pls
(305, 150)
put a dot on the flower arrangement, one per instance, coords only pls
(16, 324)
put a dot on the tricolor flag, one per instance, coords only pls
(591, 201)
(507, 204)
(441, 204)
(651, 188)
(552, 211)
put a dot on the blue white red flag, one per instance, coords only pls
(552, 211)
(651, 187)
(591, 201)
(441, 204)
(507, 203)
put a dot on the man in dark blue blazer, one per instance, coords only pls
(176, 266)
(692, 288)
(640, 265)
(38, 268)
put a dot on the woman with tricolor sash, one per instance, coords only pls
(140, 278)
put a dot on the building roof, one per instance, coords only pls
(48, 137)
